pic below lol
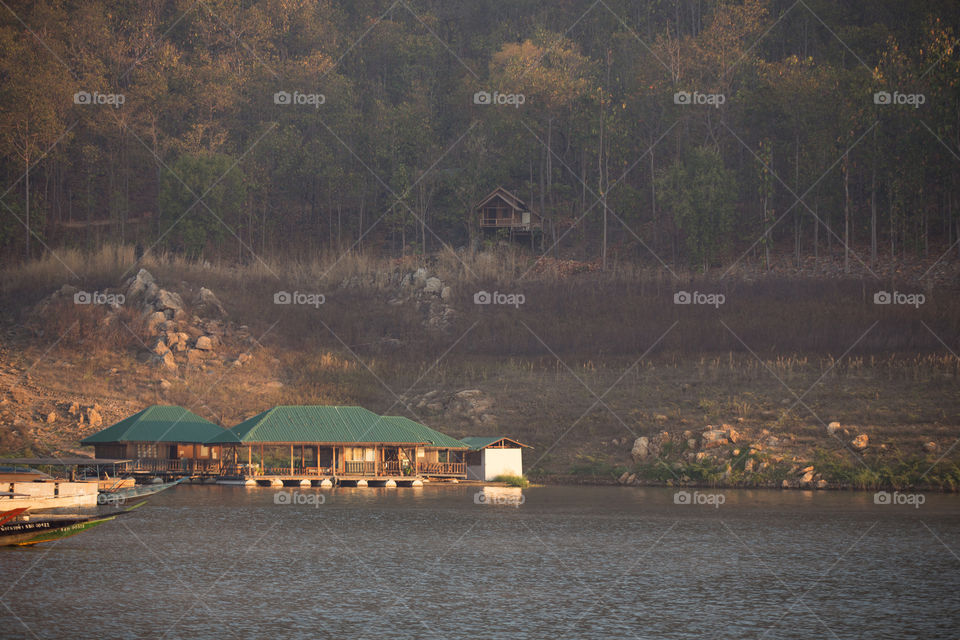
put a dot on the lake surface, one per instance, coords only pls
(443, 562)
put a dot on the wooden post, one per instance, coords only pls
(291, 459)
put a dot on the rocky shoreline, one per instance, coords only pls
(753, 457)
(597, 481)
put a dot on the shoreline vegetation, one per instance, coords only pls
(795, 380)
(918, 475)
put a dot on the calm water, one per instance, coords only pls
(222, 562)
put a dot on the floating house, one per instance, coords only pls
(316, 444)
(335, 442)
(492, 456)
(501, 209)
(161, 438)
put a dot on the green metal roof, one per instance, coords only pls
(323, 423)
(158, 423)
(479, 442)
(432, 436)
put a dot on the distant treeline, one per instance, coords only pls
(685, 131)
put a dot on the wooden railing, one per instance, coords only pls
(391, 468)
(443, 468)
(516, 222)
(184, 465)
(350, 467)
(360, 467)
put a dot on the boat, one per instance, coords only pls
(29, 531)
(119, 496)
(40, 491)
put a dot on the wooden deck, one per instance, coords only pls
(349, 471)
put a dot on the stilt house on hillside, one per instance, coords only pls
(502, 210)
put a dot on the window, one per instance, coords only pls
(146, 450)
(359, 454)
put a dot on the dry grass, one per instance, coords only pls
(898, 378)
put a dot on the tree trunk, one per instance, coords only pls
(26, 158)
(873, 205)
(846, 212)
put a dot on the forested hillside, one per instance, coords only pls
(690, 132)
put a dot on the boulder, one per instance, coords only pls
(641, 449)
(433, 285)
(74, 409)
(204, 344)
(150, 293)
(713, 438)
(155, 321)
(138, 284)
(860, 442)
(195, 357)
(930, 447)
(168, 362)
(833, 428)
(161, 347)
(419, 277)
(623, 477)
(94, 417)
(165, 385)
(732, 434)
(51, 417)
(207, 304)
(445, 293)
(168, 300)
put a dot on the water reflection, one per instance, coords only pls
(441, 562)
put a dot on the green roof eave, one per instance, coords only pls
(157, 423)
(324, 423)
(432, 437)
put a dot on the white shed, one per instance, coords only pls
(492, 456)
